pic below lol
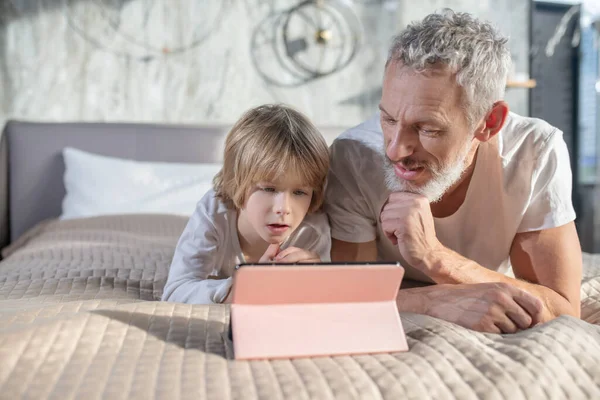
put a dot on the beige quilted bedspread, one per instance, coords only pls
(77, 320)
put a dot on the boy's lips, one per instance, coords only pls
(278, 228)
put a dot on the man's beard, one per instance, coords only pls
(442, 177)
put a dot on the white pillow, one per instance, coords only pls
(99, 185)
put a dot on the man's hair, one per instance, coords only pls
(474, 50)
(266, 143)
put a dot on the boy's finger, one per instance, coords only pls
(286, 252)
(297, 256)
(270, 253)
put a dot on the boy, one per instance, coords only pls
(265, 206)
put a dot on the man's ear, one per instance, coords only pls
(494, 121)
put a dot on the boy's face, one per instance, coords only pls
(275, 209)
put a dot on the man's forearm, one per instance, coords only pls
(415, 300)
(445, 266)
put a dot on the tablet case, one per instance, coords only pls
(301, 311)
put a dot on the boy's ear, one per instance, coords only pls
(494, 121)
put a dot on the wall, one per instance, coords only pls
(206, 61)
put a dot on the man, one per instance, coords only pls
(458, 189)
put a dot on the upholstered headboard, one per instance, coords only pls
(31, 164)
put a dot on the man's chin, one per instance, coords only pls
(395, 184)
(419, 190)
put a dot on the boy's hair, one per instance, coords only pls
(265, 143)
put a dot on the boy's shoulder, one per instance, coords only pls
(211, 206)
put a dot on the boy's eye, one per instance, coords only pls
(300, 193)
(269, 189)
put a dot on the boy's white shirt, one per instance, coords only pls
(209, 249)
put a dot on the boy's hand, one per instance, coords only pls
(229, 297)
(294, 255)
(270, 253)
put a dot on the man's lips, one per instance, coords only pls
(408, 174)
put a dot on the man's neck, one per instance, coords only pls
(456, 195)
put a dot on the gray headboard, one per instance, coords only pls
(31, 164)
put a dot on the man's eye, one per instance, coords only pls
(430, 132)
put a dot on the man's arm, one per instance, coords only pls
(349, 252)
(550, 259)
(488, 307)
(546, 263)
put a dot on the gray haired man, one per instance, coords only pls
(462, 192)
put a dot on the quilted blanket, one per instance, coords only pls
(79, 319)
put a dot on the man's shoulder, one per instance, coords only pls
(526, 138)
(367, 135)
(359, 148)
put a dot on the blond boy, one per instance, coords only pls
(265, 206)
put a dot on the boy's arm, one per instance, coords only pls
(194, 262)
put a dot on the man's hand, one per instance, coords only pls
(297, 255)
(486, 307)
(407, 221)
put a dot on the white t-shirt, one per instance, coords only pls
(521, 182)
(209, 249)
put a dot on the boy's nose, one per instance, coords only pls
(282, 204)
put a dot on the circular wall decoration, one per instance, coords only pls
(313, 39)
(144, 29)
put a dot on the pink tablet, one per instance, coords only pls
(285, 311)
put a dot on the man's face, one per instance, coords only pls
(427, 137)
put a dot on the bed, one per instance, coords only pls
(80, 316)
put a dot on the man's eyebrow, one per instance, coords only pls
(442, 122)
(383, 109)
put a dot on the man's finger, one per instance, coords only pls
(390, 230)
(397, 196)
(392, 226)
(520, 317)
(529, 303)
(506, 325)
(395, 207)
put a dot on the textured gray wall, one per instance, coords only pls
(200, 61)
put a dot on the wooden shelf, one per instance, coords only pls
(528, 84)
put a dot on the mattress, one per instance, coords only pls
(79, 317)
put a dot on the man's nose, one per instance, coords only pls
(402, 145)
